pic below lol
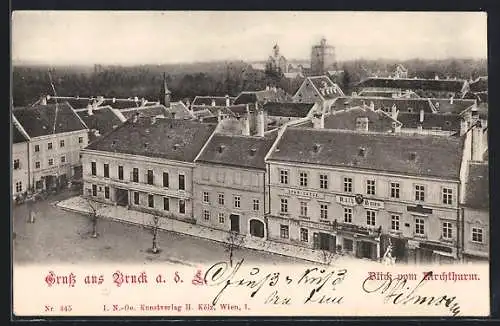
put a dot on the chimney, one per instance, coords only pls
(246, 126)
(372, 106)
(421, 118)
(43, 100)
(89, 109)
(143, 101)
(267, 87)
(228, 101)
(451, 99)
(261, 123)
(135, 118)
(219, 115)
(318, 121)
(394, 112)
(419, 128)
(213, 102)
(477, 136)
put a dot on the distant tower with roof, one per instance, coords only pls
(323, 58)
(277, 61)
(165, 93)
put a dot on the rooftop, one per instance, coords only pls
(290, 109)
(445, 85)
(263, 96)
(208, 100)
(102, 119)
(477, 194)
(416, 155)
(441, 121)
(171, 139)
(38, 120)
(378, 121)
(146, 111)
(327, 88)
(479, 85)
(17, 136)
(237, 150)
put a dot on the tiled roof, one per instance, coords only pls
(17, 136)
(172, 139)
(443, 121)
(479, 85)
(447, 85)
(263, 96)
(102, 119)
(205, 113)
(146, 111)
(207, 100)
(117, 103)
(241, 109)
(38, 120)
(237, 150)
(390, 94)
(417, 155)
(179, 110)
(75, 102)
(378, 121)
(299, 110)
(323, 81)
(405, 104)
(223, 109)
(477, 194)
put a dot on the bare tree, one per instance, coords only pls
(93, 216)
(327, 256)
(154, 227)
(232, 242)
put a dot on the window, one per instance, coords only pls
(419, 193)
(304, 235)
(323, 181)
(106, 192)
(394, 189)
(19, 186)
(93, 168)
(220, 199)
(370, 187)
(166, 204)
(284, 206)
(303, 179)
(348, 214)
(395, 222)
(49, 146)
(37, 148)
(17, 164)
(120, 172)
(135, 175)
(165, 179)
(206, 215)
(51, 161)
(136, 198)
(182, 206)
(370, 218)
(303, 209)
(182, 185)
(256, 205)
(150, 177)
(447, 196)
(61, 143)
(237, 201)
(284, 177)
(323, 211)
(106, 170)
(206, 197)
(477, 235)
(447, 232)
(284, 231)
(419, 226)
(80, 140)
(94, 190)
(151, 201)
(37, 165)
(221, 218)
(347, 184)
(63, 159)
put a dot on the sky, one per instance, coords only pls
(142, 37)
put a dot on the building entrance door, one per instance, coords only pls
(327, 242)
(235, 222)
(121, 197)
(257, 228)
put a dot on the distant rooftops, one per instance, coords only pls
(448, 85)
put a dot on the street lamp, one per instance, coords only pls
(155, 249)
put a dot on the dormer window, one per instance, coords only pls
(176, 146)
(253, 151)
(316, 148)
(221, 148)
(413, 156)
(361, 151)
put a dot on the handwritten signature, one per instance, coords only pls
(322, 281)
(400, 292)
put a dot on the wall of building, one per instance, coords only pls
(71, 152)
(476, 218)
(20, 175)
(129, 162)
(306, 93)
(229, 181)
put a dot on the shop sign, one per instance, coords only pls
(360, 200)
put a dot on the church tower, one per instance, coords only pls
(165, 93)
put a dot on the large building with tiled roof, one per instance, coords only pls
(147, 164)
(270, 94)
(278, 114)
(201, 102)
(339, 190)
(476, 212)
(100, 121)
(56, 135)
(316, 89)
(230, 183)
(361, 118)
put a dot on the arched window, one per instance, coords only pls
(257, 228)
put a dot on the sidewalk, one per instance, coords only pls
(79, 205)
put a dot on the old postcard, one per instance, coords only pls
(250, 164)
